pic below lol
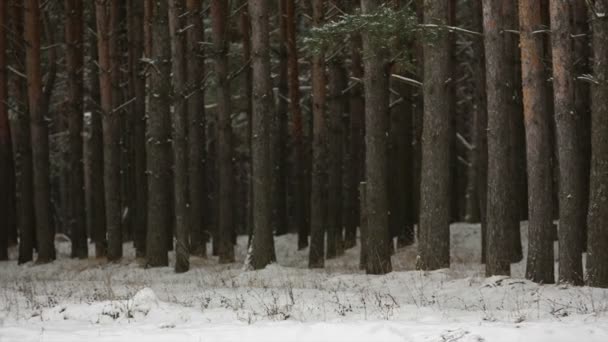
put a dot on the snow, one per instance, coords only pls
(91, 300)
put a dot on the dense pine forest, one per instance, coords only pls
(385, 137)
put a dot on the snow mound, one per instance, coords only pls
(145, 300)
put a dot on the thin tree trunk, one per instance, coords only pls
(246, 38)
(298, 133)
(280, 200)
(38, 104)
(158, 149)
(96, 213)
(74, 36)
(597, 238)
(262, 247)
(111, 128)
(582, 98)
(355, 171)
(7, 171)
(318, 195)
(219, 16)
(572, 213)
(518, 144)
(499, 212)
(337, 82)
(196, 129)
(376, 83)
(137, 84)
(22, 144)
(434, 244)
(539, 267)
(180, 135)
(480, 117)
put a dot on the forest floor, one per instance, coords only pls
(90, 300)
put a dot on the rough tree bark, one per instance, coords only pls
(336, 110)
(262, 246)
(7, 171)
(298, 133)
(572, 211)
(355, 172)
(137, 83)
(499, 213)
(219, 16)
(179, 135)
(158, 148)
(539, 267)
(96, 212)
(318, 195)
(196, 128)
(74, 37)
(376, 87)
(280, 195)
(480, 117)
(597, 238)
(38, 107)
(111, 127)
(434, 235)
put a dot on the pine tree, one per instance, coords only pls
(179, 135)
(434, 239)
(137, 87)
(318, 195)
(158, 148)
(376, 87)
(597, 238)
(105, 12)
(262, 246)
(38, 101)
(196, 129)
(499, 215)
(572, 213)
(296, 112)
(539, 266)
(7, 172)
(74, 37)
(219, 16)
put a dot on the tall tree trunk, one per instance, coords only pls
(376, 83)
(582, 97)
(137, 84)
(318, 195)
(96, 213)
(500, 215)
(196, 129)
(480, 153)
(7, 171)
(219, 16)
(22, 143)
(38, 103)
(158, 149)
(298, 133)
(280, 200)
(434, 244)
(246, 38)
(518, 144)
(262, 247)
(74, 37)
(572, 213)
(337, 82)
(355, 171)
(111, 126)
(597, 238)
(180, 135)
(539, 266)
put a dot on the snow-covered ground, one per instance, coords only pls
(90, 300)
